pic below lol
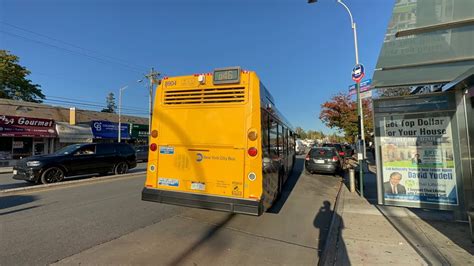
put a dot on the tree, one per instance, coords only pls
(301, 133)
(110, 101)
(341, 113)
(14, 83)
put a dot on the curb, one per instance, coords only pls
(6, 171)
(95, 179)
(329, 251)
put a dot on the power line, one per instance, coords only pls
(71, 44)
(100, 60)
(91, 102)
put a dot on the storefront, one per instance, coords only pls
(139, 134)
(25, 136)
(71, 134)
(105, 131)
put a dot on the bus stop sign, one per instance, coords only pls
(358, 72)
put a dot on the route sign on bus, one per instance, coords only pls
(358, 72)
(227, 75)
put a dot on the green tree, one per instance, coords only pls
(110, 101)
(14, 83)
(301, 133)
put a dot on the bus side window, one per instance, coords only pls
(265, 138)
(273, 139)
(280, 141)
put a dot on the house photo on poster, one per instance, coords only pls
(418, 160)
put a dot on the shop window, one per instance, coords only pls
(22, 147)
(6, 148)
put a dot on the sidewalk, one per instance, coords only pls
(374, 234)
(6, 170)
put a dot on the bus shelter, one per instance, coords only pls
(423, 107)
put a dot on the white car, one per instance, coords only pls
(300, 147)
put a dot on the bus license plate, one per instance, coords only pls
(198, 186)
(319, 161)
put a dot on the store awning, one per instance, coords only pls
(19, 126)
(74, 133)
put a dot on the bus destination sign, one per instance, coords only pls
(227, 75)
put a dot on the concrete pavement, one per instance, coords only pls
(292, 233)
(107, 223)
(370, 234)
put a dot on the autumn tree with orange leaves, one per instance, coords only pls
(340, 113)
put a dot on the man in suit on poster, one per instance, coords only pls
(393, 186)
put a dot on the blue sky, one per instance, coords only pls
(303, 53)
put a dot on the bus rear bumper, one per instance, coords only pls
(243, 206)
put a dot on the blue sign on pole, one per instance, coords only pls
(365, 85)
(108, 130)
(358, 72)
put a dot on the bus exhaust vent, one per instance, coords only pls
(205, 96)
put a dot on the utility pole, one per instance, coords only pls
(152, 77)
(119, 138)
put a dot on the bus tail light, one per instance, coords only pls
(154, 133)
(153, 147)
(252, 135)
(253, 151)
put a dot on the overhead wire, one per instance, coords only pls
(100, 60)
(72, 45)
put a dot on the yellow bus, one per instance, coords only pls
(218, 142)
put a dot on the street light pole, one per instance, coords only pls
(360, 113)
(120, 115)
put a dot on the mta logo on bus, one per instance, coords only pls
(199, 157)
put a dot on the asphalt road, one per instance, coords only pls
(6, 180)
(107, 223)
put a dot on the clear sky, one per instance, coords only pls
(303, 53)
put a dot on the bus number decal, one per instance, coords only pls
(171, 182)
(166, 150)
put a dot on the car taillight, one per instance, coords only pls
(335, 159)
(153, 147)
(342, 153)
(307, 157)
(253, 151)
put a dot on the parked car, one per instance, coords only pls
(348, 150)
(323, 160)
(77, 159)
(142, 153)
(337, 146)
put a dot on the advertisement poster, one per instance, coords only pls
(418, 161)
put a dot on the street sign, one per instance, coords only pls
(358, 72)
(366, 94)
(365, 85)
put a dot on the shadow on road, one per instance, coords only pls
(288, 186)
(205, 238)
(16, 200)
(330, 249)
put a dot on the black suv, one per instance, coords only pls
(77, 159)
